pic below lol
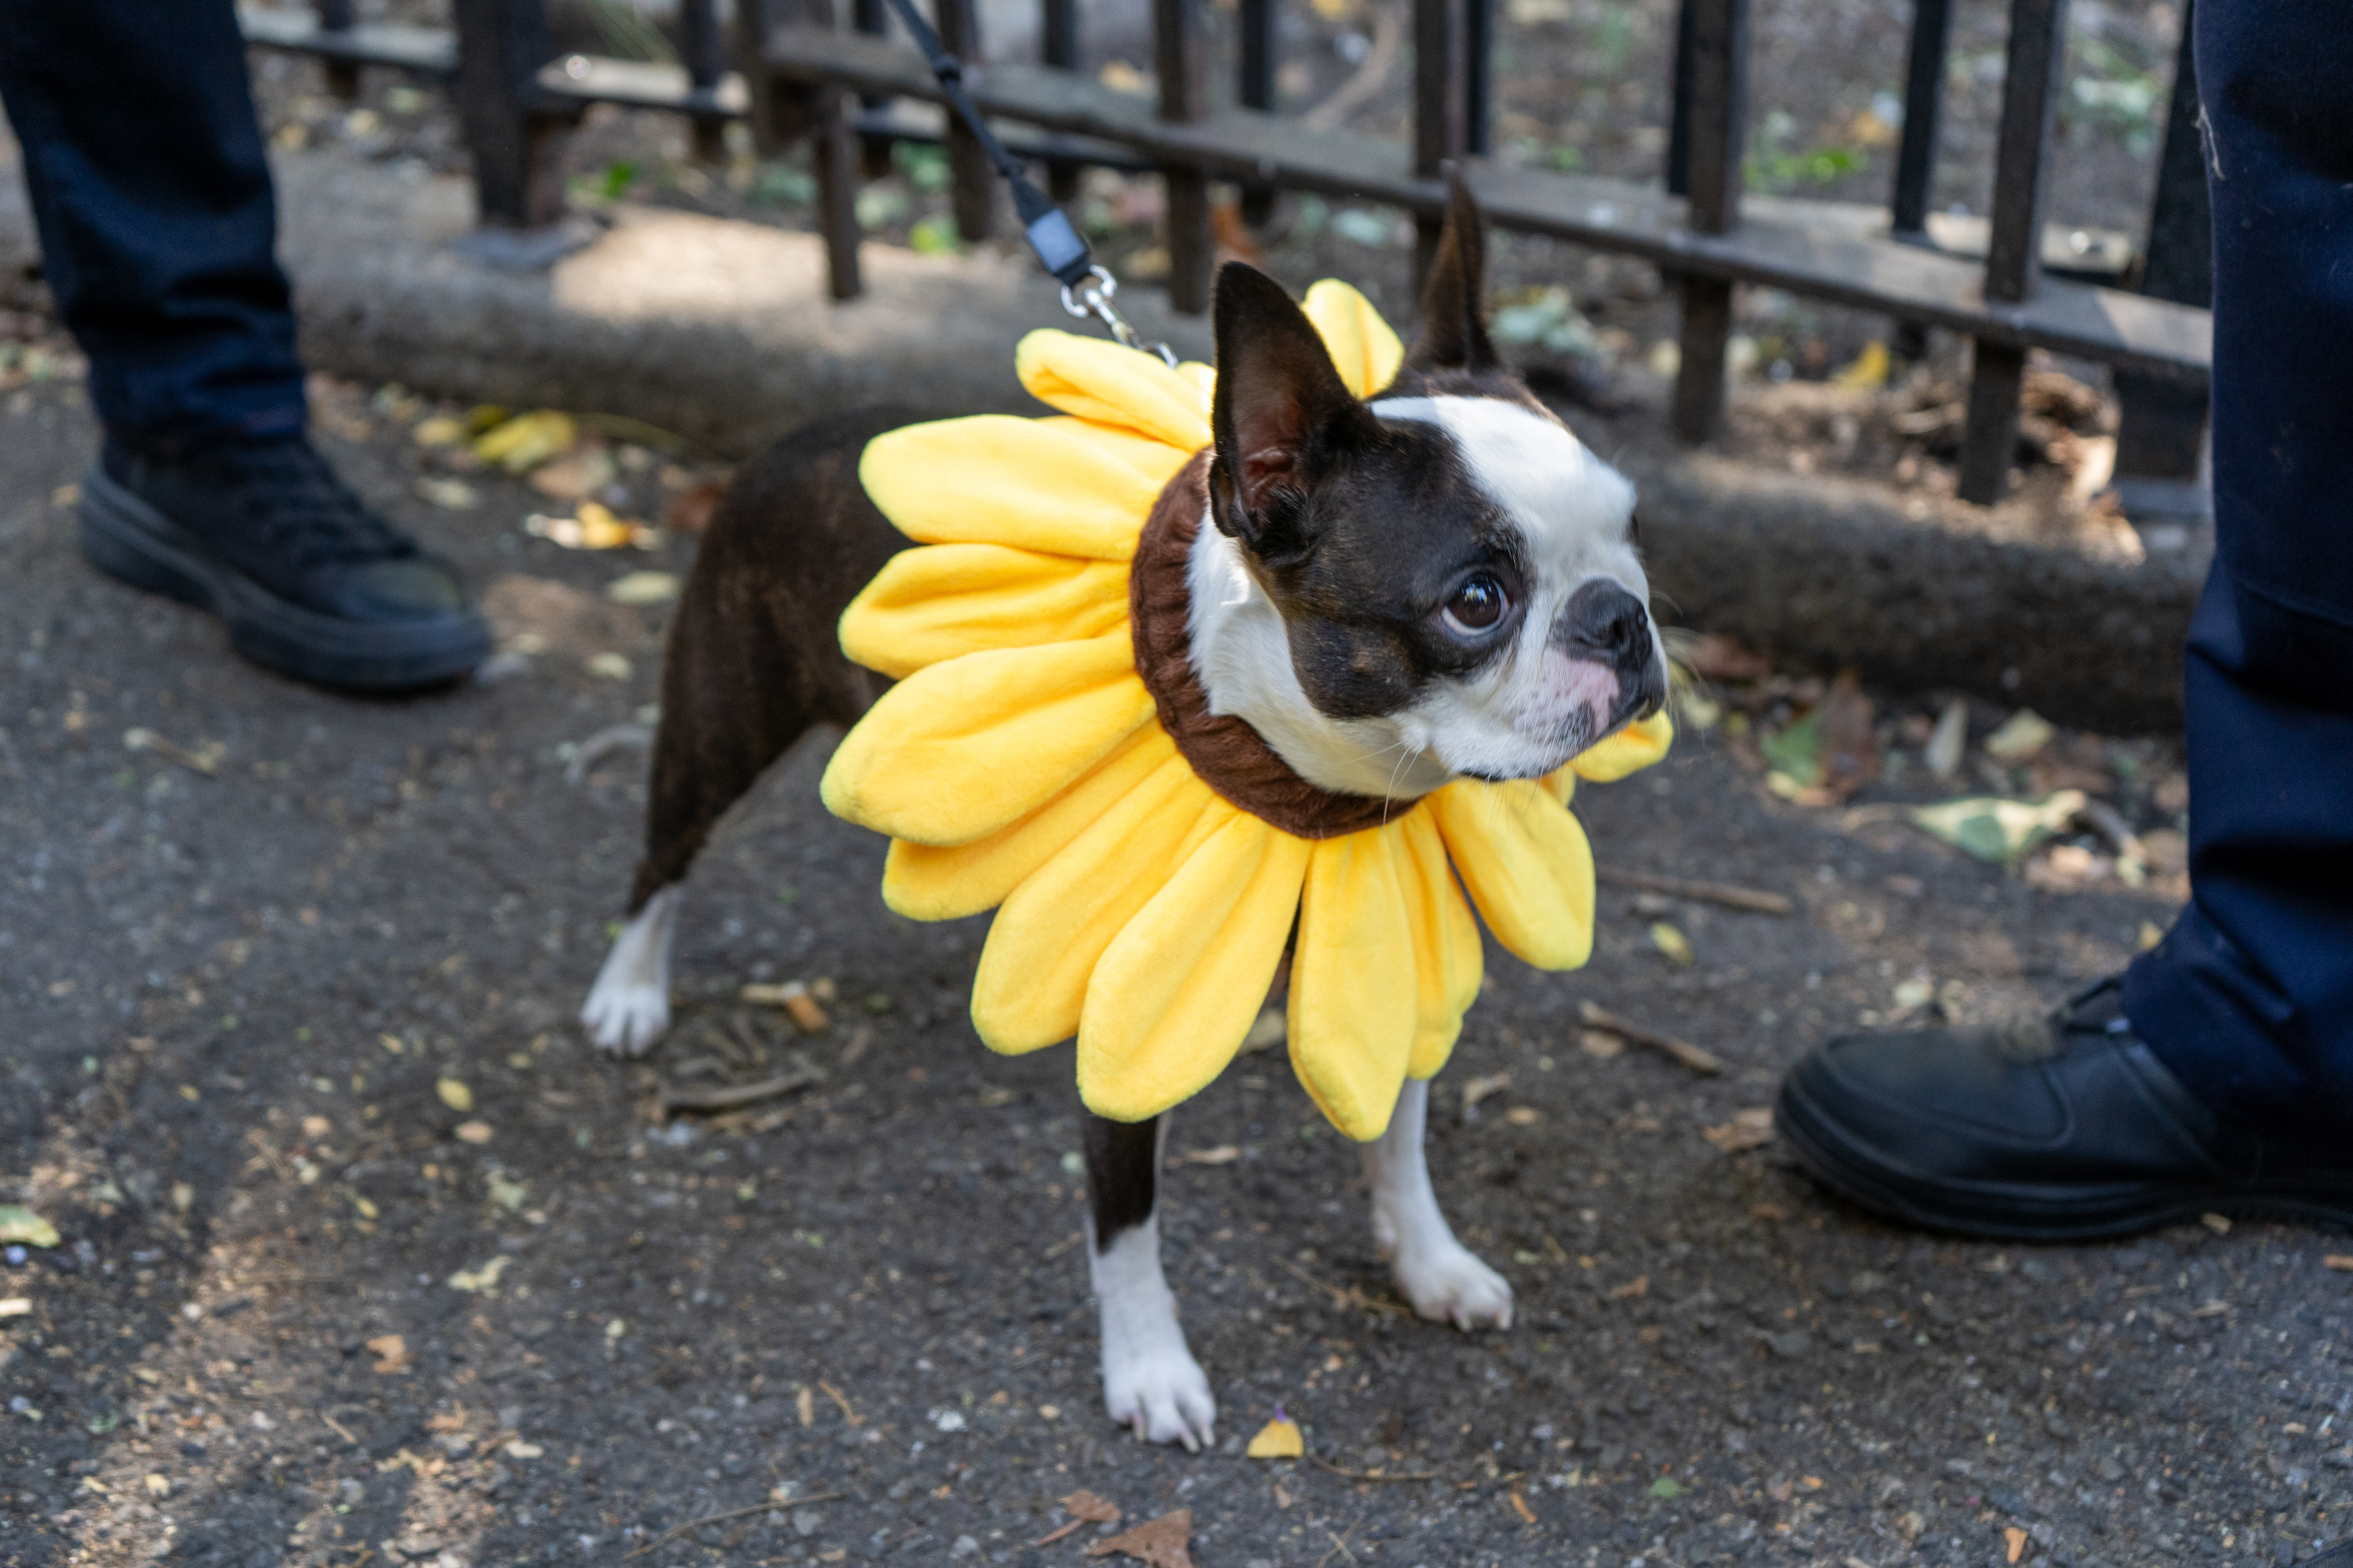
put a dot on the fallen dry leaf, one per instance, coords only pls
(2340, 1261)
(1089, 1509)
(1524, 1116)
(690, 512)
(454, 1094)
(1478, 1088)
(2022, 735)
(515, 1448)
(1223, 1154)
(1671, 944)
(1715, 657)
(2017, 1539)
(1278, 1439)
(1850, 746)
(643, 588)
(1161, 1544)
(447, 1421)
(22, 1226)
(1749, 1129)
(1520, 1506)
(159, 1485)
(474, 1131)
(390, 1353)
(15, 1307)
(1636, 1287)
(1774, 1212)
(1600, 1043)
(486, 1277)
(527, 440)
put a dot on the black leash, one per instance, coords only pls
(1088, 288)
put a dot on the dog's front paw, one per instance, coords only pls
(1158, 1391)
(625, 1017)
(1446, 1282)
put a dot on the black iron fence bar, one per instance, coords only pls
(2164, 422)
(2013, 269)
(705, 55)
(343, 76)
(1479, 75)
(1180, 56)
(1442, 121)
(428, 52)
(1923, 117)
(1057, 45)
(1718, 136)
(1781, 244)
(972, 179)
(1677, 175)
(509, 125)
(1255, 88)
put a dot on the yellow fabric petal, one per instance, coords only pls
(1155, 459)
(1031, 985)
(1177, 990)
(1635, 747)
(1363, 348)
(997, 479)
(1098, 380)
(928, 605)
(1447, 960)
(1561, 783)
(1353, 1013)
(930, 882)
(1527, 867)
(958, 750)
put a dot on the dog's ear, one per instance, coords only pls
(1281, 415)
(1453, 334)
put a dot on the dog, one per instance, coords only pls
(1437, 583)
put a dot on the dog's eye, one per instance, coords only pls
(1478, 605)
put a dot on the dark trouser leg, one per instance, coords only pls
(2250, 998)
(144, 163)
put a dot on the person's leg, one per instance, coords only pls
(144, 166)
(2250, 998)
(2217, 1074)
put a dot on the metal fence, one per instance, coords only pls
(843, 86)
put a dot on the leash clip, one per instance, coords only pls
(1093, 296)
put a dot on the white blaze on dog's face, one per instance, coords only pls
(1444, 582)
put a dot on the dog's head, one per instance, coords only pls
(1446, 557)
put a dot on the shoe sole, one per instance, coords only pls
(133, 542)
(2037, 1212)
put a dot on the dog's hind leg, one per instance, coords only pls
(1437, 1274)
(752, 663)
(1152, 1385)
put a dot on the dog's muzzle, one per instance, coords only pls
(1604, 623)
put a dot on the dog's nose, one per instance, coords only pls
(1606, 619)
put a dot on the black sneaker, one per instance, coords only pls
(309, 582)
(2058, 1129)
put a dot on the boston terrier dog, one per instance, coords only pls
(1441, 582)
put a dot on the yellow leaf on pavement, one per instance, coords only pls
(1278, 1439)
(455, 1095)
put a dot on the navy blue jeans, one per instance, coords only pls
(2250, 997)
(144, 164)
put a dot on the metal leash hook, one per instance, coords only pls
(1061, 250)
(1095, 292)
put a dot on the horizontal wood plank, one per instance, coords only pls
(429, 51)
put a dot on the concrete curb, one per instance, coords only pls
(720, 332)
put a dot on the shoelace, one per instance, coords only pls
(303, 511)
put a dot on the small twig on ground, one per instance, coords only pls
(204, 759)
(667, 1536)
(340, 1430)
(1732, 898)
(677, 1100)
(836, 1395)
(1368, 1477)
(1691, 1055)
(611, 738)
(1063, 1245)
(1349, 1297)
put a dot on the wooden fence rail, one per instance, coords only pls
(845, 87)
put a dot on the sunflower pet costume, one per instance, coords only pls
(1046, 754)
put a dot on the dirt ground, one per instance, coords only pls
(367, 1257)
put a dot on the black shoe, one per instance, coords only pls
(265, 536)
(2055, 1129)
